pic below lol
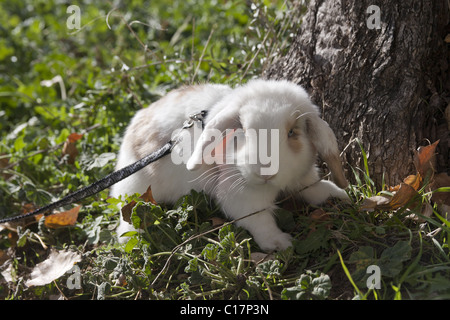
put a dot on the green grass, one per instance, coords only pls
(111, 72)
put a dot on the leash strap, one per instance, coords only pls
(97, 186)
(111, 178)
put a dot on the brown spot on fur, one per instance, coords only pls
(185, 90)
(143, 140)
(294, 140)
(295, 144)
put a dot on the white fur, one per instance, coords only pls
(239, 188)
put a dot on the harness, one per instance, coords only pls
(113, 177)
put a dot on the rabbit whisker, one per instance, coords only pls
(301, 115)
(201, 177)
(231, 175)
(212, 178)
(208, 173)
(240, 185)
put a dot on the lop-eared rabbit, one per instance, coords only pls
(255, 120)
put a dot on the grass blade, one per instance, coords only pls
(347, 273)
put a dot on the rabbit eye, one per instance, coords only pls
(291, 133)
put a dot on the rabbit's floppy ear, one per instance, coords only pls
(226, 118)
(324, 140)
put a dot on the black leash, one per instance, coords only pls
(112, 178)
(99, 185)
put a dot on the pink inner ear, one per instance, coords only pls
(225, 119)
(219, 149)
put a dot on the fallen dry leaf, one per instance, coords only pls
(7, 271)
(126, 211)
(401, 197)
(259, 257)
(128, 208)
(61, 219)
(414, 180)
(56, 265)
(28, 207)
(319, 216)
(74, 137)
(216, 221)
(147, 196)
(424, 159)
(69, 147)
(404, 195)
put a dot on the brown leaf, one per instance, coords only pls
(147, 196)
(61, 219)
(414, 180)
(126, 211)
(404, 194)
(69, 147)
(319, 216)
(74, 137)
(424, 159)
(259, 257)
(28, 207)
(216, 221)
(128, 208)
(401, 197)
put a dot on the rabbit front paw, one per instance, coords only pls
(274, 242)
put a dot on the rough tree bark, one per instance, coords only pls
(389, 87)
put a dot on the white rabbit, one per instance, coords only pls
(263, 113)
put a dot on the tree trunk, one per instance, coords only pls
(383, 81)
